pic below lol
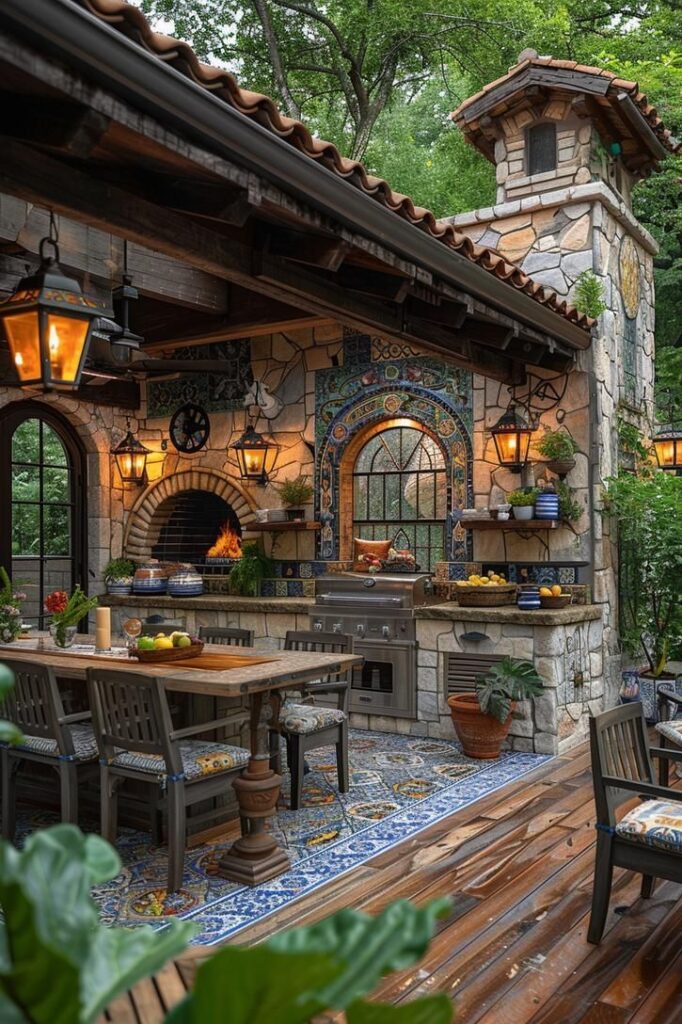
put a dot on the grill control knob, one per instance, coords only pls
(385, 632)
(336, 628)
(360, 629)
(317, 626)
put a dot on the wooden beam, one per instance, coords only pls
(57, 124)
(326, 253)
(368, 282)
(246, 329)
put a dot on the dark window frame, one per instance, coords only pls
(534, 132)
(11, 418)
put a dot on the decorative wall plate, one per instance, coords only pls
(189, 428)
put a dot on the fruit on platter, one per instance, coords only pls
(165, 642)
(493, 579)
(162, 643)
(145, 643)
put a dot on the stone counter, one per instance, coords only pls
(450, 610)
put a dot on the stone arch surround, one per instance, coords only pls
(143, 526)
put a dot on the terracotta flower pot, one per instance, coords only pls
(481, 735)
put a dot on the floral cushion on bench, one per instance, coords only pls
(304, 718)
(200, 758)
(84, 744)
(672, 731)
(656, 823)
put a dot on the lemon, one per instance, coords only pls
(545, 592)
(162, 643)
(556, 590)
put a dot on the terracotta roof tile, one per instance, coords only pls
(260, 108)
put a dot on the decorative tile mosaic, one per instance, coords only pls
(214, 391)
(399, 785)
(351, 398)
(357, 348)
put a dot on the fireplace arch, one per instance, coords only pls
(144, 525)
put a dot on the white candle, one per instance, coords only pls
(102, 629)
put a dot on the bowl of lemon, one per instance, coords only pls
(167, 647)
(489, 591)
(555, 597)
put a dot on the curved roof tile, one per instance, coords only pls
(260, 108)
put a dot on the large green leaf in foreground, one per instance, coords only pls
(58, 964)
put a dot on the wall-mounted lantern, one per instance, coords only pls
(131, 459)
(668, 448)
(47, 322)
(512, 437)
(256, 456)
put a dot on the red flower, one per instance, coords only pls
(56, 602)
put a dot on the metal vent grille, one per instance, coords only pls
(460, 670)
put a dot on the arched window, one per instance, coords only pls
(400, 492)
(541, 148)
(42, 512)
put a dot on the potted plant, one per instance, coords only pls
(66, 613)
(558, 447)
(295, 494)
(522, 502)
(482, 719)
(248, 573)
(10, 609)
(570, 510)
(648, 513)
(118, 576)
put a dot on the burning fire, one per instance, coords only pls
(228, 544)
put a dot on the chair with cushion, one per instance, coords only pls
(648, 838)
(669, 728)
(51, 737)
(306, 726)
(229, 635)
(137, 741)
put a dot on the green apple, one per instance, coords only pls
(183, 641)
(145, 643)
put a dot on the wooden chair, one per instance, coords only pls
(137, 740)
(229, 635)
(51, 737)
(647, 839)
(669, 728)
(306, 726)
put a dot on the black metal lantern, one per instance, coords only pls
(256, 456)
(512, 437)
(47, 322)
(668, 448)
(131, 459)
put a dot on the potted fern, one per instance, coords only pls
(118, 576)
(482, 719)
(558, 448)
(295, 494)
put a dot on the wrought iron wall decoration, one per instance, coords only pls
(189, 428)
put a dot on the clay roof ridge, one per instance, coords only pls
(132, 23)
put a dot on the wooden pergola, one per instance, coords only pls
(232, 231)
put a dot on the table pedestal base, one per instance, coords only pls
(255, 857)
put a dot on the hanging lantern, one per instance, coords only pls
(512, 437)
(131, 459)
(668, 448)
(47, 322)
(256, 456)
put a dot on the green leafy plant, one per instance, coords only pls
(8, 730)
(119, 569)
(296, 492)
(248, 573)
(523, 496)
(10, 608)
(634, 453)
(588, 294)
(556, 445)
(648, 513)
(506, 681)
(59, 965)
(67, 611)
(570, 510)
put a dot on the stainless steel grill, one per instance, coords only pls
(378, 611)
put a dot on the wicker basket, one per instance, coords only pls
(172, 654)
(562, 601)
(486, 596)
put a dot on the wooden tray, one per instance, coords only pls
(172, 654)
(561, 601)
(485, 596)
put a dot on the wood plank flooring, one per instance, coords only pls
(518, 868)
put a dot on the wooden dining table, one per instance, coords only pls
(219, 671)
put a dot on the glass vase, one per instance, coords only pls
(62, 635)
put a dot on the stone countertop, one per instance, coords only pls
(212, 602)
(450, 610)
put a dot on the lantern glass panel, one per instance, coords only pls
(23, 337)
(66, 337)
(669, 452)
(131, 466)
(512, 446)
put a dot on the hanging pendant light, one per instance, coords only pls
(48, 322)
(131, 458)
(512, 435)
(256, 456)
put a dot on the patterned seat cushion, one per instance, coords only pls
(84, 744)
(656, 823)
(672, 731)
(200, 758)
(305, 718)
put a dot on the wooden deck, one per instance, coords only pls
(518, 865)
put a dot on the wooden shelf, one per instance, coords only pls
(520, 525)
(280, 527)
